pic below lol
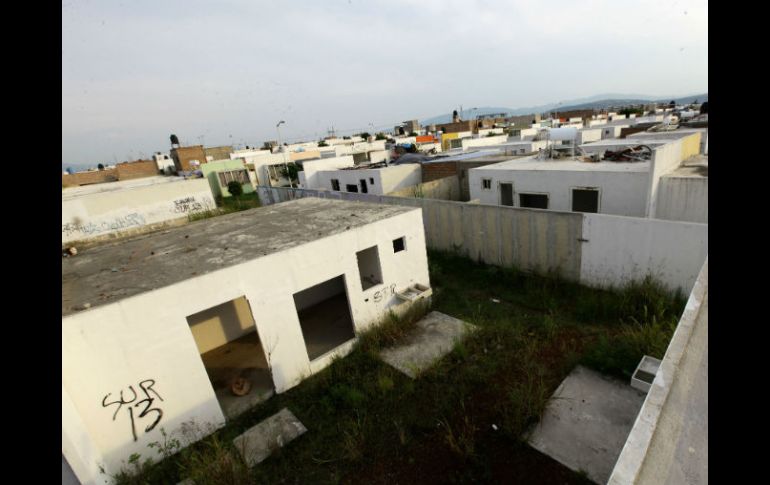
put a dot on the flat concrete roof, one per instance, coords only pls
(613, 143)
(111, 272)
(567, 165)
(70, 193)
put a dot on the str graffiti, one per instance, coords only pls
(389, 291)
(130, 220)
(188, 204)
(144, 405)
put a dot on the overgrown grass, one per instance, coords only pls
(228, 205)
(464, 419)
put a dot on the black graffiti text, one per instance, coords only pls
(144, 407)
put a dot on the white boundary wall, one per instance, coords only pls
(618, 249)
(103, 213)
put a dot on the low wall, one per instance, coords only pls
(596, 249)
(91, 177)
(119, 212)
(683, 199)
(618, 249)
(447, 188)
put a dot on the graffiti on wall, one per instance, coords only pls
(188, 204)
(141, 410)
(130, 220)
(389, 291)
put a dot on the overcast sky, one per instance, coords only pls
(226, 71)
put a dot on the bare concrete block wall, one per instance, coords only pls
(137, 169)
(86, 178)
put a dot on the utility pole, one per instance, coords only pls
(280, 147)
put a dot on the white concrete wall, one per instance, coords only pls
(587, 135)
(665, 159)
(89, 215)
(483, 141)
(619, 249)
(525, 134)
(612, 131)
(401, 176)
(376, 156)
(109, 348)
(621, 193)
(312, 167)
(683, 199)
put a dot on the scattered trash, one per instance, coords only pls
(84, 306)
(494, 427)
(71, 251)
(114, 270)
(495, 300)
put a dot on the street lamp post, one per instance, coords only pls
(280, 147)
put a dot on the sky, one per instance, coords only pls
(225, 72)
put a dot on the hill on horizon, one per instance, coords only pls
(598, 101)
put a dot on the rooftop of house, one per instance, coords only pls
(118, 270)
(70, 193)
(694, 167)
(567, 165)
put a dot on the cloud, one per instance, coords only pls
(143, 69)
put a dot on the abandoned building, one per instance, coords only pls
(181, 322)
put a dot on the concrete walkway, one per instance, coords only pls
(435, 337)
(259, 442)
(587, 422)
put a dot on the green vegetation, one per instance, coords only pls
(323, 143)
(290, 171)
(462, 421)
(235, 188)
(227, 205)
(380, 136)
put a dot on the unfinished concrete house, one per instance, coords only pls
(202, 322)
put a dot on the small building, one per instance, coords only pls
(219, 173)
(377, 179)
(187, 159)
(609, 182)
(164, 162)
(683, 195)
(269, 295)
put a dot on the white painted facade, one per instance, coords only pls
(622, 186)
(379, 181)
(164, 162)
(631, 248)
(98, 210)
(612, 131)
(308, 177)
(145, 337)
(587, 135)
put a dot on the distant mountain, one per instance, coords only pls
(612, 102)
(598, 101)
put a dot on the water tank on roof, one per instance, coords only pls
(557, 134)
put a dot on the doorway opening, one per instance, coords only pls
(324, 315)
(233, 356)
(585, 200)
(506, 194)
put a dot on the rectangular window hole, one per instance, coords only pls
(369, 267)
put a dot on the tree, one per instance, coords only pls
(100, 166)
(672, 104)
(290, 172)
(704, 108)
(411, 133)
(364, 135)
(380, 136)
(235, 188)
(323, 143)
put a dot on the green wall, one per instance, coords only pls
(211, 169)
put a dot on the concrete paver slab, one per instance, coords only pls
(435, 337)
(258, 442)
(587, 422)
